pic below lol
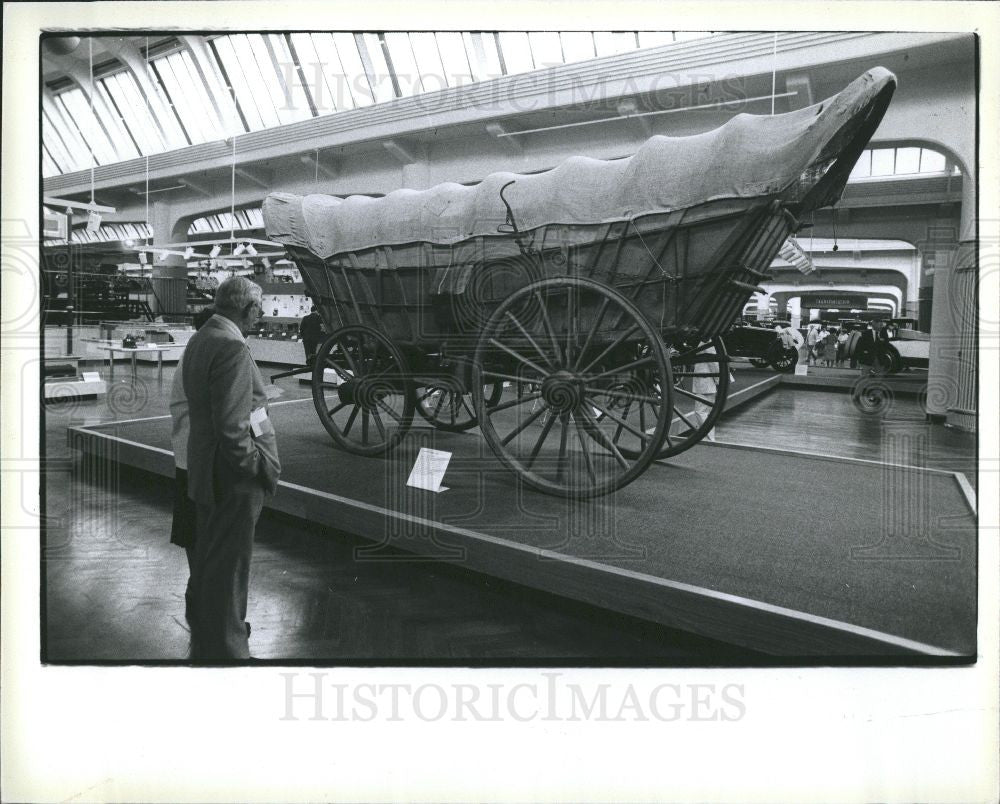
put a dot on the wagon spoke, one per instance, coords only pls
(512, 378)
(684, 418)
(603, 439)
(683, 356)
(593, 329)
(642, 416)
(531, 340)
(586, 450)
(389, 410)
(518, 356)
(541, 440)
(379, 425)
(564, 420)
(571, 323)
(548, 327)
(617, 342)
(619, 420)
(703, 399)
(696, 374)
(350, 420)
(368, 362)
(431, 391)
(621, 425)
(348, 358)
(364, 426)
(510, 436)
(512, 402)
(467, 408)
(339, 407)
(642, 361)
(440, 404)
(650, 400)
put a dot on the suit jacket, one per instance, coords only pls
(223, 386)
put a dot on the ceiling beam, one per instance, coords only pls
(198, 188)
(315, 162)
(261, 178)
(628, 108)
(501, 134)
(405, 154)
(801, 85)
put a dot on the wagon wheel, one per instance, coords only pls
(450, 408)
(758, 362)
(585, 339)
(701, 385)
(362, 391)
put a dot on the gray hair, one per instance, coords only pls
(235, 293)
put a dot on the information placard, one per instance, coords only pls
(428, 470)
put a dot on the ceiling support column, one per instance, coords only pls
(953, 366)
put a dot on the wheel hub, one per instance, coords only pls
(364, 392)
(346, 391)
(562, 391)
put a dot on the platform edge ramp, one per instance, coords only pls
(710, 613)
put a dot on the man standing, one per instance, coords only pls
(311, 330)
(182, 531)
(232, 463)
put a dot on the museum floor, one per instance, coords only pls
(114, 583)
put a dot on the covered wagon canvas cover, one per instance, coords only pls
(750, 156)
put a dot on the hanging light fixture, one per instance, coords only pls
(216, 251)
(251, 250)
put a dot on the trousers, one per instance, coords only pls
(220, 577)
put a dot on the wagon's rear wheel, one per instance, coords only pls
(448, 407)
(362, 391)
(701, 385)
(584, 338)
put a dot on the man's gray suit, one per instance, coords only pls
(229, 471)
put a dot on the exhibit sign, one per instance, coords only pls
(54, 225)
(428, 470)
(834, 301)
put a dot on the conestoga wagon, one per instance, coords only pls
(574, 315)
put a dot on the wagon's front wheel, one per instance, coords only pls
(575, 343)
(448, 407)
(362, 391)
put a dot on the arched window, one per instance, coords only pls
(883, 163)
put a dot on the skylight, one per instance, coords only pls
(250, 82)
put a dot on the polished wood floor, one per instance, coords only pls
(114, 585)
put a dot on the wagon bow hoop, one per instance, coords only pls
(510, 225)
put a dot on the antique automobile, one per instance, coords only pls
(575, 315)
(760, 343)
(895, 348)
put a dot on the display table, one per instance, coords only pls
(111, 348)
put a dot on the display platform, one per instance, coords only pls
(57, 390)
(792, 555)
